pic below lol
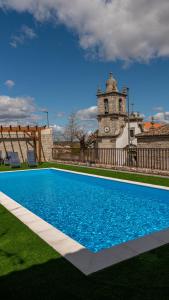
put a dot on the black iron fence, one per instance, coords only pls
(148, 158)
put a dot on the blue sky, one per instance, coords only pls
(48, 67)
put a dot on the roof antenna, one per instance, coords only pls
(152, 121)
(132, 108)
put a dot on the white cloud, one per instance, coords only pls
(9, 83)
(158, 108)
(28, 32)
(24, 34)
(19, 108)
(60, 114)
(86, 114)
(86, 120)
(162, 117)
(45, 110)
(114, 29)
(58, 129)
(58, 132)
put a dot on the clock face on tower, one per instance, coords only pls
(106, 129)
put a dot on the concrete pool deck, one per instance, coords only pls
(82, 258)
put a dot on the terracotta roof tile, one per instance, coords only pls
(153, 131)
(148, 125)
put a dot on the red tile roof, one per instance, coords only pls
(162, 130)
(148, 125)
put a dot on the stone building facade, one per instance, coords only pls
(20, 143)
(113, 118)
(154, 138)
(153, 148)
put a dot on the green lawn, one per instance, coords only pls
(108, 173)
(30, 269)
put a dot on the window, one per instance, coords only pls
(132, 133)
(106, 106)
(120, 105)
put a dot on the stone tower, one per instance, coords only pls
(112, 113)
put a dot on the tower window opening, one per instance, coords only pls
(106, 106)
(132, 132)
(120, 105)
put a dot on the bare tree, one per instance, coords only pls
(74, 131)
(71, 128)
(86, 139)
(81, 136)
(92, 139)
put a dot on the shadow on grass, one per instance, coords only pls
(143, 277)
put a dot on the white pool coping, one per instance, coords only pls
(82, 258)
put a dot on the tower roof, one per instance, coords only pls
(111, 84)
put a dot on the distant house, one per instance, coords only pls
(147, 125)
(155, 137)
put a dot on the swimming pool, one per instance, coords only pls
(96, 212)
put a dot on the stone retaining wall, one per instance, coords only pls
(155, 141)
(143, 171)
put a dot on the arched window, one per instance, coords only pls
(106, 106)
(120, 105)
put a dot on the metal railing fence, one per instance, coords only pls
(149, 158)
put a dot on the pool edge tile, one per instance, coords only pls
(144, 244)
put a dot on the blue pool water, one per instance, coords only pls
(98, 213)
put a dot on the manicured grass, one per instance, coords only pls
(20, 248)
(115, 174)
(157, 180)
(30, 269)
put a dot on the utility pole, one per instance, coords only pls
(47, 117)
(128, 103)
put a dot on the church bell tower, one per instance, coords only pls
(112, 113)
